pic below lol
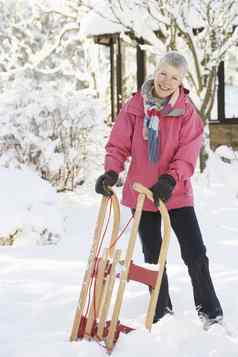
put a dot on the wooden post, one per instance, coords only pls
(112, 79)
(221, 92)
(119, 74)
(140, 63)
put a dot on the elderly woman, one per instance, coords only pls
(161, 131)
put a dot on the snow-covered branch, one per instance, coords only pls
(48, 49)
(35, 41)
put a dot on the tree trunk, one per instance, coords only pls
(203, 157)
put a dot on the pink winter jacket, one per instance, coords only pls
(180, 143)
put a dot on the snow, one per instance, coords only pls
(48, 126)
(102, 20)
(211, 44)
(231, 101)
(94, 24)
(40, 285)
(28, 206)
(41, 273)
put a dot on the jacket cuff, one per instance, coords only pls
(173, 176)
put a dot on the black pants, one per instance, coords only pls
(193, 252)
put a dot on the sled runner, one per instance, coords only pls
(91, 316)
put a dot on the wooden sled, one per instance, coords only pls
(91, 322)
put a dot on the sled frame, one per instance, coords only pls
(103, 270)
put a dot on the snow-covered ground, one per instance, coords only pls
(40, 283)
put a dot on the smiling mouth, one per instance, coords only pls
(165, 89)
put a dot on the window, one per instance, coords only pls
(231, 85)
(225, 104)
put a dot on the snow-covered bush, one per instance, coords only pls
(46, 126)
(29, 209)
(221, 171)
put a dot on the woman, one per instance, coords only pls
(161, 131)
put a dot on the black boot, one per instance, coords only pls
(164, 305)
(166, 311)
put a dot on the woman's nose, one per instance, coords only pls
(167, 81)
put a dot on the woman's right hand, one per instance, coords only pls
(108, 179)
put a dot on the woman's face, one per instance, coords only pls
(167, 80)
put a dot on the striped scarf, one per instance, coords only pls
(153, 108)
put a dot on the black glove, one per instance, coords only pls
(163, 189)
(104, 181)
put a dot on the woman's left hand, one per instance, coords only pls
(162, 190)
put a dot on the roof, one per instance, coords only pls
(93, 24)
